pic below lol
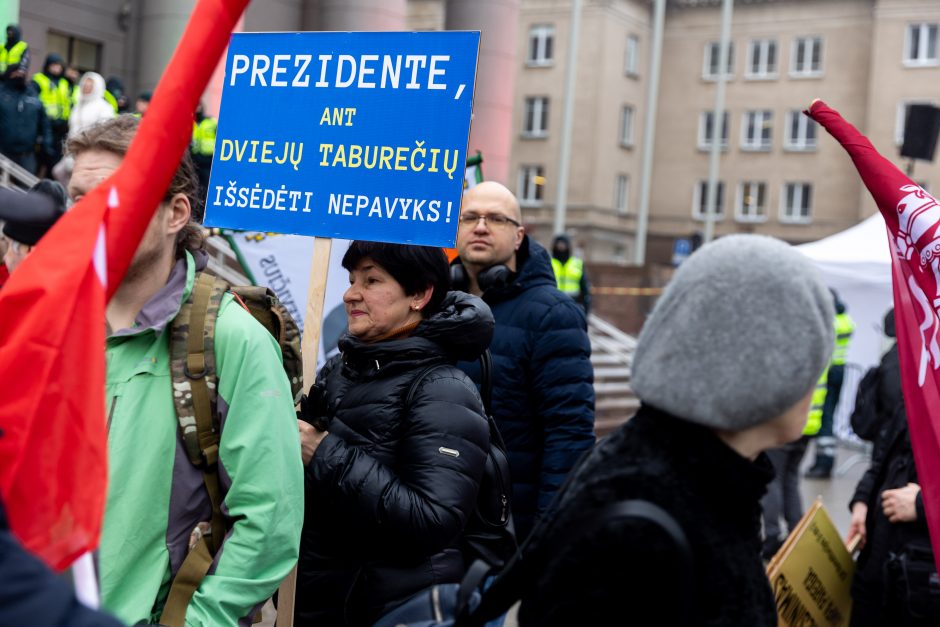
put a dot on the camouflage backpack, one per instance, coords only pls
(195, 384)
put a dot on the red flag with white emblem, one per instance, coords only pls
(912, 217)
(53, 440)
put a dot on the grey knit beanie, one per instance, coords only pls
(741, 333)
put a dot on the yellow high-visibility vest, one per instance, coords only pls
(814, 420)
(13, 55)
(204, 137)
(568, 275)
(55, 96)
(845, 326)
(111, 100)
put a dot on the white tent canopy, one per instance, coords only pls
(856, 263)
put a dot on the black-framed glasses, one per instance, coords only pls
(495, 219)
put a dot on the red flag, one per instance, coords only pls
(53, 444)
(913, 222)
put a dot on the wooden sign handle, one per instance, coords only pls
(310, 349)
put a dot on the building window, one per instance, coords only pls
(621, 191)
(536, 117)
(706, 130)
(807, 57)
(700, 200)
(900, 120)
(752, 202)
(801, 131)
(762, 59)
(531, 181)
(85, 55)
(541, 44)
(631, 61)
(626, 126)
(710, 71)
(756, 130)
(796, 203)
(920, 47)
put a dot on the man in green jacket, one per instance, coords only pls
(157, 503)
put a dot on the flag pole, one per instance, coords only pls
(718, 122)
(310, 349)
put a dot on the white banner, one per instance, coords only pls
(282, 263)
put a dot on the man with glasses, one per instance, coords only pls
(543, 393)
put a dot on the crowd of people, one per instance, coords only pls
(39, 113)
(379, 488)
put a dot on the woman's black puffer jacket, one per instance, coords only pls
(390, 489)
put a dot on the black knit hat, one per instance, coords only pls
(27, 217)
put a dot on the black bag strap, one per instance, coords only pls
(486, 382)
(509, 587)
(486, 387)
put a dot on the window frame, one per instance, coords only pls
(704, 143)
(631, 60)
(739, 207)
(762, 47)
(784, 214)
(543, 53)
(627, 136)
(795, 71)
(921, 60)
(707, 64)
(700, 196)
(70, 55)
(804, 123)
(622, 194)
(540, 112)
(766, 117)
(527, 174)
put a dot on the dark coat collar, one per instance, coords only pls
(714, 467)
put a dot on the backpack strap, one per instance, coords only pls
(193, 369)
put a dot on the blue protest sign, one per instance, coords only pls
(345, 135)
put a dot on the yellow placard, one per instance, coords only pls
(811, 575)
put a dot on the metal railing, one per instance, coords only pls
(12, 175)
(612, 357)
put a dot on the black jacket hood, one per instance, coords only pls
(52, 59)
(17, 34)
(460, 331)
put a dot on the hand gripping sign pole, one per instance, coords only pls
(380, 155)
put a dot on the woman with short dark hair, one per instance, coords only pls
(393, 471)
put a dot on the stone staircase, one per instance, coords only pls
(612, 358)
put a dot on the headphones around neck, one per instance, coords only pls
(493, 277)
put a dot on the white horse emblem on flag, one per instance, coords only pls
(919, 232)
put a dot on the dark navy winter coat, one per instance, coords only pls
(390, 490)
(543, 382)
(30, 594)
(23, 122)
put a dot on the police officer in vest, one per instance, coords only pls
(203, 146)
(826, 441)
(14, 54)
(569, 273)
(55, 92)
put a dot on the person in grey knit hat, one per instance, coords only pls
(725, 368)
(741, 333)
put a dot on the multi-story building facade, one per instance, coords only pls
(778, 174)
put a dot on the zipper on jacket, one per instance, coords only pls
(111, 412)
